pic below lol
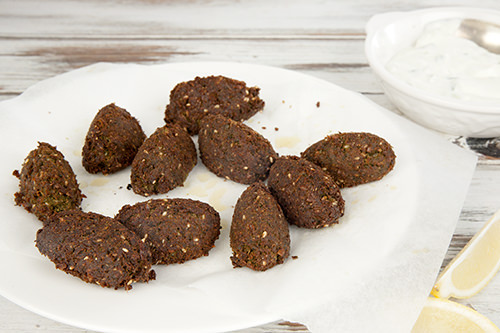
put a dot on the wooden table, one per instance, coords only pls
(40, 39)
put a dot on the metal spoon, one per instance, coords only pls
(484, 34)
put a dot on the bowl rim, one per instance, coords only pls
(378, 22)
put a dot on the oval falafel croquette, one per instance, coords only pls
(259, 235)
(190, 101)
(112, 141)
(96, 249)
(352, 158)
(233, 150)
(47, 183)
(164, 161)
(176, 230)
(308, 196)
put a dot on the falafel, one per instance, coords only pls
(47, 183)
(352, 158)
(259, 235)
(190, 101)
(233, 150)
(96, 249)
(112, 140)
(309, 197)
(176, 230)
(164, 161)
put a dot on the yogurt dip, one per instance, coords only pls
(446, 65)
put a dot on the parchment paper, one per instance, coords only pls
(370, 273)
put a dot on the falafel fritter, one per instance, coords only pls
(112, 141)
(176, 230)
(259, 236)
(308, 196)
(190, 101)
(352, 158)
(96, 249)
(47, 183)
(233, 150)
(164, 161)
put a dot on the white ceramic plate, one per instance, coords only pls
(335, 266)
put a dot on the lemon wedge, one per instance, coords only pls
(474, 266)
(443, 316)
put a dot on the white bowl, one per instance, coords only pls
(391, 32)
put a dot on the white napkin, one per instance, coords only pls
(392, 296)
(372, 272)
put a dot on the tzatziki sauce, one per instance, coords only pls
(444, 64)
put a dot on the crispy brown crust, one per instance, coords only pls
(190, 101)
(308, 196)
(176, 230)
(96, 249)
(163, 162)
(232, 150)
(112, 141)
(352, 158)
(259, 236)
(47, 183)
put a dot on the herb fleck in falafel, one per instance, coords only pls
(112, 141)
(164, 161)
(190, 101)
(259, 236)
(308, 196)
(47, 183)
(176, 230)
(233, 150)
(96, 249)
(352, 158)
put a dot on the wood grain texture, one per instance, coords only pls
(40, 39)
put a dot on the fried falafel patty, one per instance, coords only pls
(352, 158)
(259, 235)
(47, 183)
(233, 150)
(190, 101)
(112, 141)
(308, 196)
(164, 161)
(96, 249)
(176, 230)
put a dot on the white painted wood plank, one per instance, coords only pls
(150, 19)
(23, 63)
